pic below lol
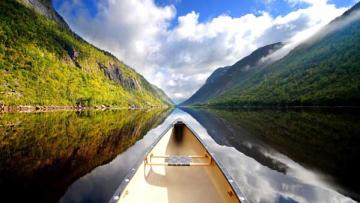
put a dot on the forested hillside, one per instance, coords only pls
(324, 70)
(223, 79)
(42, 62)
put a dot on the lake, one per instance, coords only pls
(274, 155)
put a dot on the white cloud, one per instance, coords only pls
(311, 2)
(179, 59)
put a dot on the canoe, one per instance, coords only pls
(178, 167)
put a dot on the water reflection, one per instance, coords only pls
(41, 154)
(273, 155)
(297, 155)
(232, 140)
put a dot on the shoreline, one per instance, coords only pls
(272, 107)
(55, 108)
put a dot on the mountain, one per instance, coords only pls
(323, 70)
(42, 62)
(224, 78)
(162, 95)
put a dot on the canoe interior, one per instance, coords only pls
(155, 181)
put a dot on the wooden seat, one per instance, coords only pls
(177, 160)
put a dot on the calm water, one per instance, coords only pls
(274, 155)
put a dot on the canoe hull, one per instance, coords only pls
(178, 168)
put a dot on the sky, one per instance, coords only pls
(177, 44)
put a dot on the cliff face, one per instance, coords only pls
(43, 62)
(45, 8)
(114, 73)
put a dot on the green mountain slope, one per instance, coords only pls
(222, 79)
(323, 70)
(43, 62)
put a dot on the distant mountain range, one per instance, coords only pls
(42, 62)
(324, 70)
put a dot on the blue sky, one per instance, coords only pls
(177, 44)
(234, 8)
(212, 8)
